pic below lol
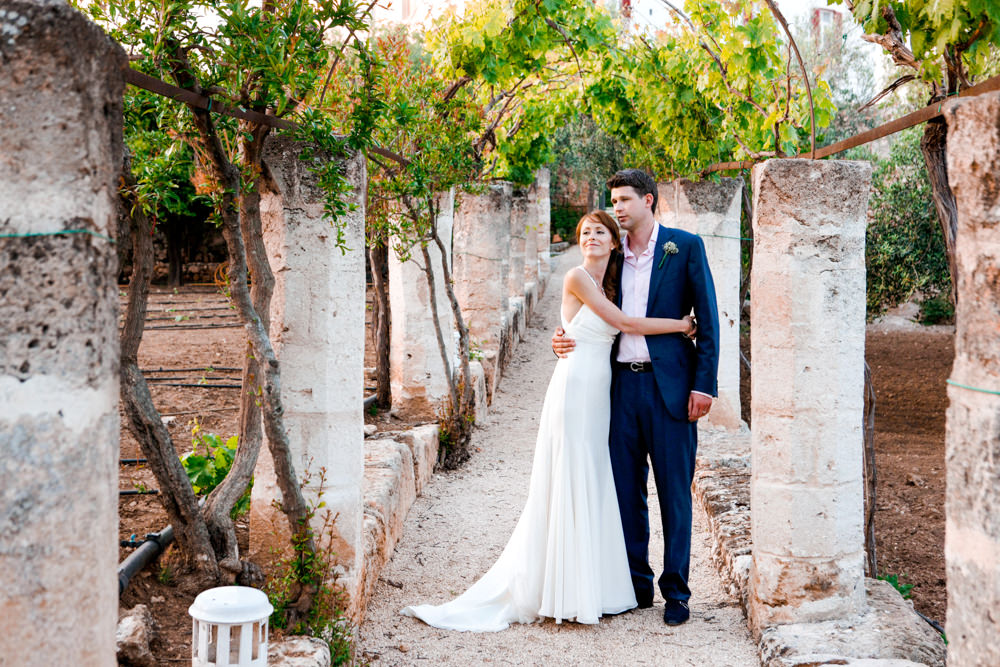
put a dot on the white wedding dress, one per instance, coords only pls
(566, 558)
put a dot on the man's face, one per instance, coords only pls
(631, 210)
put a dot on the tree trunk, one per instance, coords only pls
(378, 255)
(142, 418)
(460, 418)
(224, 497)
(293, 503)
(933, 145)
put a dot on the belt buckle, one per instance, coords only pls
(636, 366)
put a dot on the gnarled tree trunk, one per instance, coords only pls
(142, 418)
(933, 145)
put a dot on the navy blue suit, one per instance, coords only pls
(649, 414)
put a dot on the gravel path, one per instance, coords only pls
(458, 527)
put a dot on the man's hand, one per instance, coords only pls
(698, 406)
(561, 345)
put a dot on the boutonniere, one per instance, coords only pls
(669, 248)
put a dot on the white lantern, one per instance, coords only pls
(230, 627)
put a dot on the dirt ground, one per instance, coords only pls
(909, 366)
(203, 347)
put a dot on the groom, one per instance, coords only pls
(660, 387)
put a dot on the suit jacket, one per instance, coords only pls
(682, 283)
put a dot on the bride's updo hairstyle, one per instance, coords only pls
(611, 274)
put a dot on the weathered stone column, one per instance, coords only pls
(544, 219)
(808, 343)
(712, 210)
(520, 215)
(60, 157)
(972, 536)
(418, 375)
(317, 328)
(481, 256)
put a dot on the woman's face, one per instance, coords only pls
(595, 240)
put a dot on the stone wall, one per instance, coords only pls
(60, 156)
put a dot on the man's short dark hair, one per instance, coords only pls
(638, 179)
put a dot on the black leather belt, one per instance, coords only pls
(635, 366)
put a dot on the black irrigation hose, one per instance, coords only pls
(131, 462)
(151, 547)
(370, 401)
(202, 369)
(138, 492)
(196, 326)
(164, 378)
(202, 386)
(931, 622)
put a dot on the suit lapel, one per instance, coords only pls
(663, 235)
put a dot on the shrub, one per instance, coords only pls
(905, 251)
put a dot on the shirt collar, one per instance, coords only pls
(650, 247)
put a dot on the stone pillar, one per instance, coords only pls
(972, 506)
(60, 158)
(317, 328)
(808, 343)
(418, 375)
(520, 220)
(481, 256)
(712, 210)
(544, 209)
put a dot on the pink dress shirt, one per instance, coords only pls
(636, 272)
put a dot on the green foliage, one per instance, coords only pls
(305, 568)
(207, 471)
(950, 39)
(904, 251)
(563, 221)
(714, 86)
(165, 575)
(270, 59)
(936, 310)
(893, 579)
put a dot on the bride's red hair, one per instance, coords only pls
(610, 281)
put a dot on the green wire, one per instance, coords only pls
(720, 236)
(65, 231)
(965, 386)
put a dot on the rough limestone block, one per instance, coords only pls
(808, 288)
(317, 328)
(712, 210)
(132, 637)
(417, 373)
(972, 537)
(390, 490)
(298, 652)
(543, 207)
(888, 633)
(423, 443)
(478, 380)
(60, 157)
(482, 261)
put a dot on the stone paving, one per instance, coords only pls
(458, 527)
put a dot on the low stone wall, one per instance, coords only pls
(889, 631)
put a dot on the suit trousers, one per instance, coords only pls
(641, 427)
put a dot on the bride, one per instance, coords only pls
(566, 557)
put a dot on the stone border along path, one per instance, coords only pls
(458, 527)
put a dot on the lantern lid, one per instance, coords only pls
(231, 604)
